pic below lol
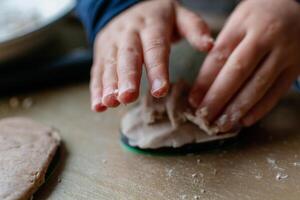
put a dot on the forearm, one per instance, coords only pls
(95, 14)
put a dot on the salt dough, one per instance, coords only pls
(26, 150)
(168, 122)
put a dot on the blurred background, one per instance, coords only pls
(42, 43)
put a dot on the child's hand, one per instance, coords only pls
(141, 35)
(253, 63)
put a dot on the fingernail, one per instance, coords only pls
(158, 88)
(97, 106)
(207, 39)
(111, 100)
(228, 122)
(223, 122)
(126, 87)
(207, 42)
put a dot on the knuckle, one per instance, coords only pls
(130, 50)
(152, 66)
(257, 44)
(220, 53)
(155, 43)
(125, 70)
(110, 61)
(239, 68)
(131, 73)
(273, 28)
(140, 21)
(261, 82)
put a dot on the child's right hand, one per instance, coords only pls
(141, 35)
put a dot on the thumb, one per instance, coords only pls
(194, 29)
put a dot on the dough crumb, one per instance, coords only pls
(170, 172)
(273, 164)
(196, 197)
(258, 177)
(215, 171)
(281, 176)
(184, 196)
(199, 161)
(296, 164)
(104, 161)
(202, 191)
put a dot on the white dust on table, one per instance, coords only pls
(104, 161)
(258, 176)
(197, 197)
(199, 161)
(169, 172)
(281, 176)
(194, 175)
(274, 164)
(215, 171)
(184, 196)
(280, 172)
(296, 164)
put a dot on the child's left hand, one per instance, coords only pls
(255, 60)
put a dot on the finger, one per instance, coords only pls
(156, 49)
(240, 65)
(265, 105)
(96, 88)
(194, 29)
(226, 42)
(253, 91)
(109, 77)
(129, 67)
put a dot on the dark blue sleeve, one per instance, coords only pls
(95, 14)
(297, 84)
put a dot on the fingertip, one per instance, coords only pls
(160, 88)
(223, 123)
(207, 43)
(111, 101)
(98, 107)
(129, 91)
(203, 43)
(128, 96)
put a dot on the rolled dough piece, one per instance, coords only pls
(168, 122)
(26, 150)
